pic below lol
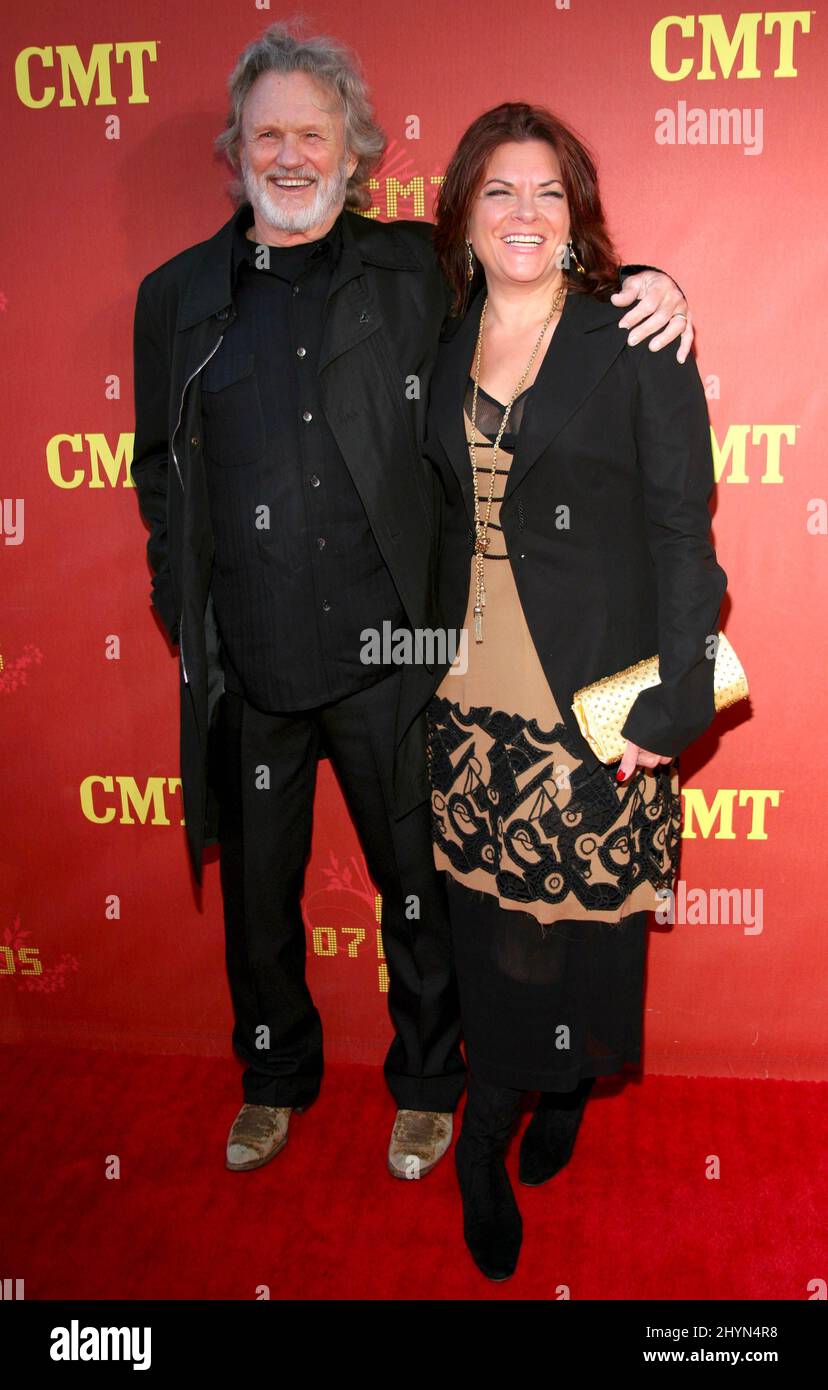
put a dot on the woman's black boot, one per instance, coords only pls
(492, 1223)
(547, 1145)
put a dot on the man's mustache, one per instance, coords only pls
(291, 174)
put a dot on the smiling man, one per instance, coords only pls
(278, 465)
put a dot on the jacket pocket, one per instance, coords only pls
(233, 423)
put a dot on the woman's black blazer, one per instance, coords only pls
(604, 514)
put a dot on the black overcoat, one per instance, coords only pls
(386, 306)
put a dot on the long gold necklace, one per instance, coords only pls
(481, 529)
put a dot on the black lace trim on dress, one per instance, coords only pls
(507, 806)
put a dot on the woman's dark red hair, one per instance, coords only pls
(517, 121)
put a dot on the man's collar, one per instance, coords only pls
(364, 241)
(245, 248)
(241, 244)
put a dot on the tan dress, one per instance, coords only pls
(515, 813)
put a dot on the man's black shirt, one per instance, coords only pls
(297, 571)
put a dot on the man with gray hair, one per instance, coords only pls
(281, 380)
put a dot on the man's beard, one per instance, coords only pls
(328, 198)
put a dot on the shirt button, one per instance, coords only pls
(320, 541)
(326, 607)
(314, 481)
(306, 416)
(300, 352)
(295, 289)
(194, 441)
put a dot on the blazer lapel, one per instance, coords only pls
(351, 311)
(577, 358)
(448, 390)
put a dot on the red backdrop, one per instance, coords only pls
(710, 135)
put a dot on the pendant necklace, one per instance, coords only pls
(481, 528)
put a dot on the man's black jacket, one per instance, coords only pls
(387, 303)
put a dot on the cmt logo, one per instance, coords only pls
(99, 459)
(414, 190)
(767, 441)
(683, 44)
(107, 799)
(716, 820)
(34, 69)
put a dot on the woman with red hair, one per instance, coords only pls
(571, 475)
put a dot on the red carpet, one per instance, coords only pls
(632, 1216)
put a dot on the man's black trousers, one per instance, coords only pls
(264, 769)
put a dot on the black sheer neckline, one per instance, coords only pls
(500, 404)
(490, 412)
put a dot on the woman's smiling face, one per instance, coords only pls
(520, 216)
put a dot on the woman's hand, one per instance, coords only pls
(638, 757)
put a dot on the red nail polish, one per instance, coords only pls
(620, 776)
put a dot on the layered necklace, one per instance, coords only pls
(481, 528)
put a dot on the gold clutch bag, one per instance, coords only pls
(602, 707)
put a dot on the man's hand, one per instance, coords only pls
(637, 757)
(658, 304)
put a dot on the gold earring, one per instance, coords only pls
(571, 249)
(470, 271)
